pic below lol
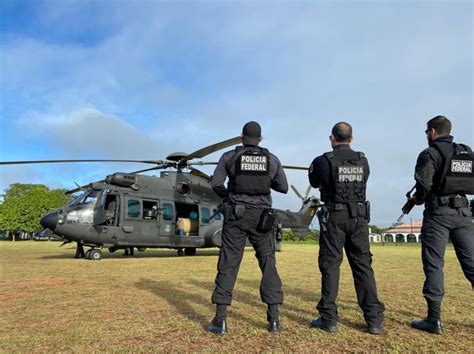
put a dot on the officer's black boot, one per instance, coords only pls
(320, 324)
(375, 329)
(273, 315)
(432, 323)
(219, 324)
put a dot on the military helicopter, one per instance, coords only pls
(177, 210)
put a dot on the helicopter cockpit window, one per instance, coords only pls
(167, 211)
(150, 210)
(205, 215)
(89, 197)
(133, 208)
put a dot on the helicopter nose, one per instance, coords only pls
(49, 221)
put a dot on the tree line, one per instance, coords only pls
(23, 205)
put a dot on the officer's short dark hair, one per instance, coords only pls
(342, 132)
(441, 124)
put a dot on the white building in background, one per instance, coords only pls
(374, 237)
(404, 233)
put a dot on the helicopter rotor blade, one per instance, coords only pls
(202, 163)
(296, 192)
(75, 161)
(151, 169)
(85, 187)
(295, 168)
(199, 173)
(308, 190)
(210, 149)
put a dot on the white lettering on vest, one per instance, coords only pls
(350, 174)
(253, 163)
(461, 166)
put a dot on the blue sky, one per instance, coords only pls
(141, 79)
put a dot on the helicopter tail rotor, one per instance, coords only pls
(306, 197)
(308, 190)
(297, 192)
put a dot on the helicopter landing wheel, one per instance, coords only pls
(190, 251)
(88, 254)
(95, 255)
(180, 252)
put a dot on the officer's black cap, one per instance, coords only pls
(252, 133)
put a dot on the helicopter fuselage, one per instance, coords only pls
(171, 211)
(175, 210)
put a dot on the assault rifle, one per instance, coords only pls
(408, 205)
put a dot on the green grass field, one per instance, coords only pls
(157, 301)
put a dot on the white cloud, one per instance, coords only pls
(90, 131)
(166, 77)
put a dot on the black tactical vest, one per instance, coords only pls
(455, 174)
(348, 177)
(250, 171)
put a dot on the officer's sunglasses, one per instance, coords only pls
(427, 131)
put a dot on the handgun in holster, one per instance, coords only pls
(323, 214)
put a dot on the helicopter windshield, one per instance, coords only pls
(83, 211)
(89, 198)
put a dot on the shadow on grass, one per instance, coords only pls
(293, 313)
(151, 254)
(185, 302)
(311, 297)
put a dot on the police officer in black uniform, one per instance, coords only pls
(444, 176)
(341, 175)
(252, 172)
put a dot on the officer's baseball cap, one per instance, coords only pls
(252, 133)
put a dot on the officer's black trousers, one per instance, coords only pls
(353, 235)
(234, 235)
(438, 226)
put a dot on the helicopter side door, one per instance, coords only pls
(167, 222)
(109, 215)
(130, 230)
(150, 227)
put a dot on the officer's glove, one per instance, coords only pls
(415, 200)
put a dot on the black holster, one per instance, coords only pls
(267, 220)
(323, 214)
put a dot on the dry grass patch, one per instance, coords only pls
(157, 301)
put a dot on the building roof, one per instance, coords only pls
(413, 228)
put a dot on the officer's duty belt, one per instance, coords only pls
(453, 201)
(337, 207)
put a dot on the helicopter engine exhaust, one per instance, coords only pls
(183, 188)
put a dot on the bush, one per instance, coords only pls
(290, 236)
